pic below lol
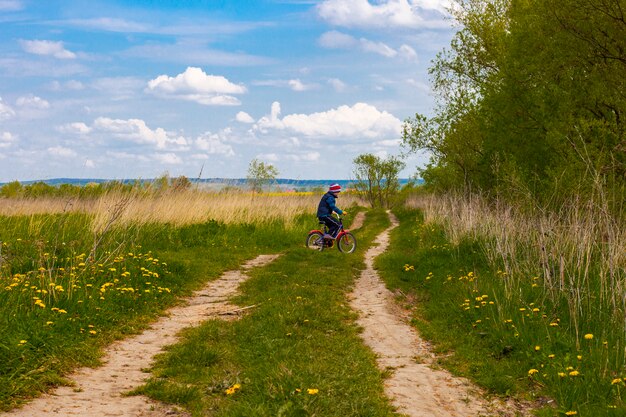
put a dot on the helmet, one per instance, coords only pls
(335, 188)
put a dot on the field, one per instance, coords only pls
(529, 307)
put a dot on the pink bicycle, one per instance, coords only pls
(319, 239)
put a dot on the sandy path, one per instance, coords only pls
(98, 392)
(414, 387)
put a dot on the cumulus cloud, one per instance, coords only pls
(213, 143)
(357, 121)
(32, 102)
(62, 152)
(47, 48)
(297, 85)
(78, 128)
(337, 84)
(136, 130)
(385, 13)
(6, 112)
(244, 117)
(89, 163)
(6, 139)
(195, 85)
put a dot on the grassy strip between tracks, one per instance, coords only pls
(297, 353)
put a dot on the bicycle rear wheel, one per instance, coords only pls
(315, 241)
(347, 243)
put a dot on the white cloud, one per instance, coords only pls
(32, 102)
(47, 48)
(6, 112)
(358, 121)
(377, 48)
(337, 84)
(384, 13)
(89, 163)
(136, 130)
(109, 24)
(79, 128)
(127, 155)
(168, 158)
(6, 139)
(337, 40)
(297, 85)
(213, 143)
(62, 152)
(68, 85)
(407, 53)
(10, 5)
(195, 85)
(244, 117)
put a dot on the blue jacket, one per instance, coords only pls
(327, 206)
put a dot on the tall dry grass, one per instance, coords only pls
(579, 252)
(177, 208)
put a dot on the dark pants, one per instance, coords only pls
(332, 224)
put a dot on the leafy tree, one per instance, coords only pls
(11, 189)
(529, 96)
(260, 174)
(377, 178)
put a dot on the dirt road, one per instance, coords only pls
(98, 392)
(414, 387)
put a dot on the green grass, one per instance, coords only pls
(301, 336)
(510, 342)
(58, 309)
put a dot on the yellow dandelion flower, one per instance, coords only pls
(312, 391)
(571, 413)
(92, 332)
(551, 356)
(579, 357)
(537, 348)
(22, 342)
(532, 371)
(574, 373)
(617, 381)
(562, 374)
(588, 336)
(233, 389)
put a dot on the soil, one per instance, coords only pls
(100, 391)
(414, 386)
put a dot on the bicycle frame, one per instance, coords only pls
(324, 230)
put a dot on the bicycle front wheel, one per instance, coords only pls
(347, 243)
(315, 241)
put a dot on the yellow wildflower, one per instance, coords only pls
(588, 336)
(571, 413)
(532, 372)
(616, 381)
(574, 373)
(312, 391)
(233, 389)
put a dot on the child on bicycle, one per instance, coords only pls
(326, 208)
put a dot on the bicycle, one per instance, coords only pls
(318, 239)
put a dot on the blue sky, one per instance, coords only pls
(133, 89)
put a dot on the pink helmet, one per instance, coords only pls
(335, 188)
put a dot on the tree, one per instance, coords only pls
(260, 174)
(377, 178)
(181, 183)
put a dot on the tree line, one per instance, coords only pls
(531, 100)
